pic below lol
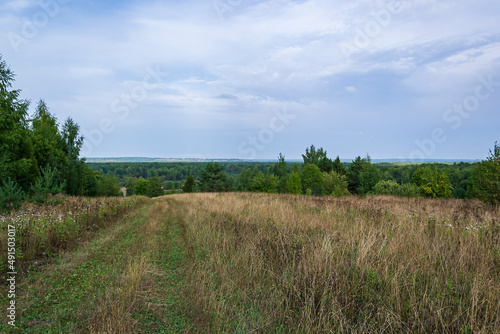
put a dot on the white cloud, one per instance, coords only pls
(262, 55)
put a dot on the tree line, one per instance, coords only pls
(319, 175)
(39, 157)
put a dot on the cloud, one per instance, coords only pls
(351, 89)
(262, 55)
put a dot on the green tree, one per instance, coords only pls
(189, 185)
(294, 184)
(17, 160)
(244, 179)
(362, 176)
(387, 187)
(46, 185)
(47, 141)
(107, 185)
(155, 187)
(485, 182)
(280, 169)
(72, 144)
(338, 167)
(130, 186)
(313, 156)
(335, 184)
(89, 182)
(214, 179)
(432, 182)
(11, 196)
(141, 187)
(173, 190)
(267, 183)
(312, 179)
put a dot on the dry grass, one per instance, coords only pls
(277, 263)
(43, 231)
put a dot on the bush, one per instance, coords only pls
(408, 190)
(312, 179)
(189, 185)
(294, 184)
(335, 184)
(485, 181)
(387, 188)
(46, 185)
(265, 183)
(393, 188)
(155, 188)
(432, 182)
(11, 196)
(107, 185)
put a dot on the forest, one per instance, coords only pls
(316, 175)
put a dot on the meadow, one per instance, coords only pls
(268, 263)
(279, 264)
(45, 231)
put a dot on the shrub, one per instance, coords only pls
(294, 184)
(485, 181)
(408, 190)
(155, 188)
(265, 183)
(11, 196)
(46, 185)
(335, 184)
(393, 188)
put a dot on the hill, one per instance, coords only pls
(243, 262)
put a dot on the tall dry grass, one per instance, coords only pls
(43, 231)
(278, 263)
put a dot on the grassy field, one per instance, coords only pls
(240, 263)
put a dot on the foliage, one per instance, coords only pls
(313, 155)
(244, 179)
(485, 182)
(338, 167)
(387, 187)
(172, 190)
(16, 149)
(214, 179)
(189, 185)
(141, 187)
(46, 185)
(362, 176)
(433, 182)
(89, 182)
(11, 196)
(294, 184)
(266, 183)
(107, 185)
(409, 190)
(335, 184)
(155, 187)
(312, 179)
(29, 146)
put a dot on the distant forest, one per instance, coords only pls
(40, 158)
(316, 175)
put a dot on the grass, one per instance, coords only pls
(239, 263)
(45, 231)
(279, 264)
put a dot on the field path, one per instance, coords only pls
(127, 280)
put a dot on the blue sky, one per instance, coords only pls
(250, 79)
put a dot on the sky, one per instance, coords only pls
(246, 79)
